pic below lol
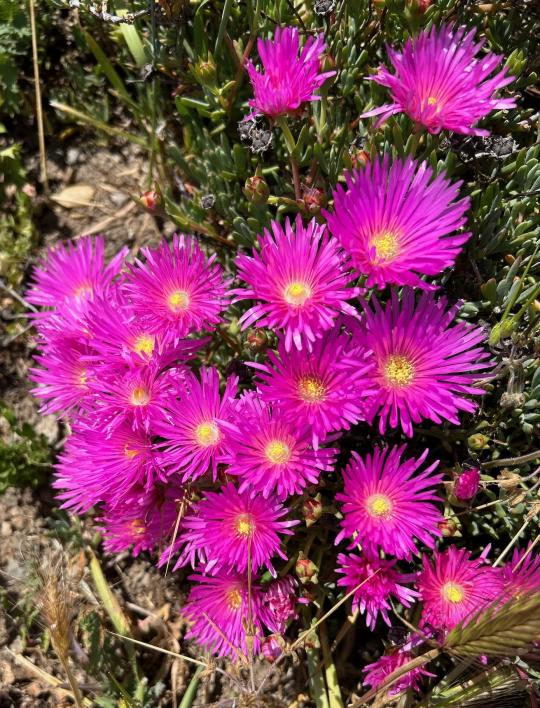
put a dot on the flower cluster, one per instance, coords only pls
(209, 473)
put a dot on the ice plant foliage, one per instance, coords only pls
(425, 364)
(388, 504)
(397, 221)
(288, 80)
(241, 472)
(300, 281)
(441, 83)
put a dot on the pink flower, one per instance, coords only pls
(467, 484)
(397, 222)
(383, 667)
(522, 573)
(325, 388)
(221, 610)
(386, 505)
(74, 272)
(228, 528)
(288, 80)
(441, 84)
(280, 601)
(270, 455)
(192, 425)
(300, 280)
(424, 364)
(177, 290)
(454, 587)
(376, 581)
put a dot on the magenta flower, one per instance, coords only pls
(177, 289)
(99, 467)
(280, 601)
(522, 573)
(288, 80)
(142, 521)
(325, 388)
(454, 587)
(300, 280)
(386, 505)
(73, 272)
(374, 582)
(270, 455)
(397, 222)
(221, 610)
(63, 379)
(467, 484)
(383, 667)
(226, 528)
(441, 84)
(191, 425)
(424, 364)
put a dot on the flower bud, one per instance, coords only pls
(419, 6)
(206, 71)
(467, 484)
(150, 199)
(314, 199)
(359, 157)
(257, 340)
(312, 510)
(256, 190)
(447, 527)
(306, 570)
(477, 441)
(272, 648)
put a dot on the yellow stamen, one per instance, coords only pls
(83, 377)
(178, 300)
(140, 396)
(398, 370)
(234, 598)
(311, 389)
(452, 592)
(207, 434)
(386, 245)
(297, 293)
(379, 506)
(83, 289)
(431, 100)
(137, 527)
(144, 344)
(277, 452)
(130, 454)
(244, 525)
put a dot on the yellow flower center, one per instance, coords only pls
(140, 396)
(144, 344)
(82, 289)
(386, 245)
(379, 506)
(431, 100)
(83, 377)
(137, 527)
(244, 525)
(178, 301)
(452, 592)
(398, 370)
(234, 598)
(297, 293)
(207, 434)
(277, 452)
(311, 389)
(130, 454)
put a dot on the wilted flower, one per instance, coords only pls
(280, 601)
(386, 505)
(383, 667)
(177, 290)
(299, 279)
(397, 222)
(288, 80)
(425, 365)
(467, 484)
(440, 83)
(454, 587)
(376, 581)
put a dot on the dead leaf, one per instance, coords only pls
(76, 195)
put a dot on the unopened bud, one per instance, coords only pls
(359, 158)
(447, 527)
(256, 190)
(206, 71)
(306, 570)
(312, 510)
(477, 441)
(151, 199)
(419, 6)
(467, 484)
(314, 199)
(257, 340)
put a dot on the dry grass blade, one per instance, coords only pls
(500, 630)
